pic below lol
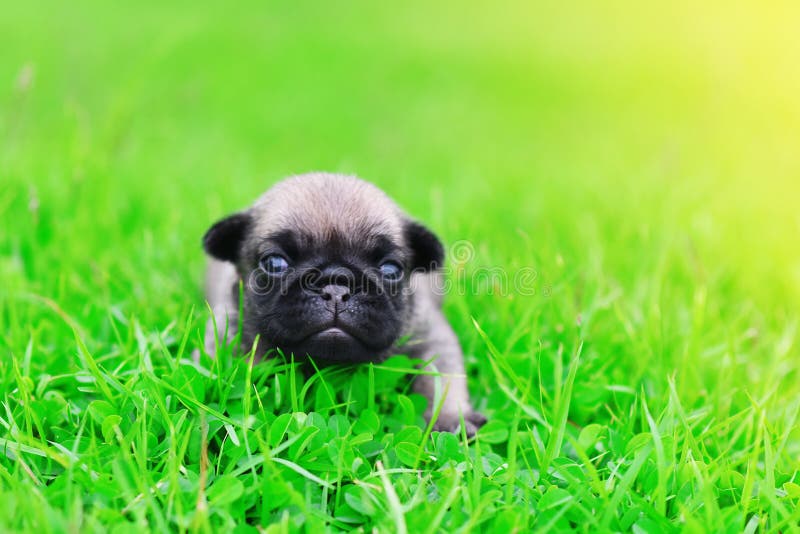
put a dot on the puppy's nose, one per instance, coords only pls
(336, 293)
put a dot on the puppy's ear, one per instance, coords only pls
(428, 252)
(224, 239)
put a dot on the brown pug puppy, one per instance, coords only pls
(332, 268)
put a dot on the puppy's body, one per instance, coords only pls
(332, 268)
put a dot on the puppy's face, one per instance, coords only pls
(333, 297)
(326, 261)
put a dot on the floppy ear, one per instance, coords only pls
(224, 239)
(428, 252)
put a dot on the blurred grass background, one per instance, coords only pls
(643, 158)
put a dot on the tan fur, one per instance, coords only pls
(321, 203)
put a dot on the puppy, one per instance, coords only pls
(333, 269)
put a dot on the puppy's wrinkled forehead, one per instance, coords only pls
(323, 206)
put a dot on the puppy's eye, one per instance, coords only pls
(391, 271)
(275, 264)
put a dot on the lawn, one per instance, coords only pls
(639, 162)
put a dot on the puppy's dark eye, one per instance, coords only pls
(275, 264)
(391, 271)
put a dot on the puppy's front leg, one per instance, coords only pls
(222, 294)
(221, 329)
(441, 345)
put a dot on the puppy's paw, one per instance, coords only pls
(452, 423)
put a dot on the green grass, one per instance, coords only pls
(641, 160)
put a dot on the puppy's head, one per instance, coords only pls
(326, 261)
